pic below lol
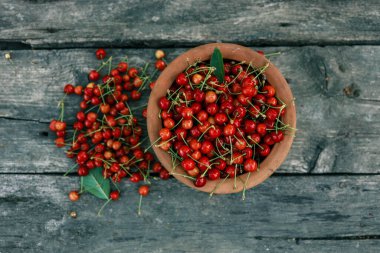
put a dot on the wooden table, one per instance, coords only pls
(324, 198)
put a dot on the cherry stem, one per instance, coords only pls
(104, 205)
(258, 111)
(117, 187)
(159, 138)
(61, 104)
(244, 138)
(197, 120)
(139, 210)
(217, 186)
(110, 66)
(272, 54)
(103, 64)
(245, 185)
(72, 167)
(249, 137)
(235, 177)
(184, 140)
(166, 141)
(200, 137)
(182, 175)
(177, 123)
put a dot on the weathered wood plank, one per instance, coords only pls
(338, 131)
(52, 24)
(302, 213)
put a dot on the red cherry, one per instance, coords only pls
(182, 79)
(269, 90)
(271, 114)
(74, 196)
(169, 123)
(254, 111)
(100, 54)
(261, 129)
(133, 72)
(213, 174)
(215, 132)
(202, 116)
(240, 112)
(93, 75)
(237, 158)
(220, 164)
(199, 95)
(200, 181)
(183, 151)
(240, 144)
(164, 174)
(264, 150)
(194, 144)
(204, 163)
(259, 99)
(115, 167)
(135, 95)
(230, 170)
(60, 142)
(248, 153)
(164, 103)
(206, 147)
(212, 108)
(157, 167)
(277, 137)
(144, 190)
(250, 165)
(187, 124)
(160, 65)
(165, 134)
(136, 177)
(236, 69)
(210, 97)
(122, 67)
(114, 195)
(268, 140)
(82, 171)
(69, 89)
(187, 113)
(188, 164)
(82, 157)
(229, 130)
(249, 126)
(60, 126)
(227, 107)
(272, 101)
(197, 79)
(181, 133)
(220, 118)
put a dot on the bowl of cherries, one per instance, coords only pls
(221, 118)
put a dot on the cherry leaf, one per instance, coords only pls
(217, 63)
(96, 184)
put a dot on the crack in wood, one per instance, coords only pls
(314, 161)
(327, 238)
(23, 119)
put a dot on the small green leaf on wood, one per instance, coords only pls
(96, 184)
(217, 63)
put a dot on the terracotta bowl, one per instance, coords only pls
(237, 53)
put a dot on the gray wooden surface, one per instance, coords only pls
(324, 198)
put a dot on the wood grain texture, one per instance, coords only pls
(300, 214)
(53, 24)
(336, 90)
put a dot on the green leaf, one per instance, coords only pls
(217, 63)
(96, 184)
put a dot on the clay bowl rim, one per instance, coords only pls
(232, 52)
